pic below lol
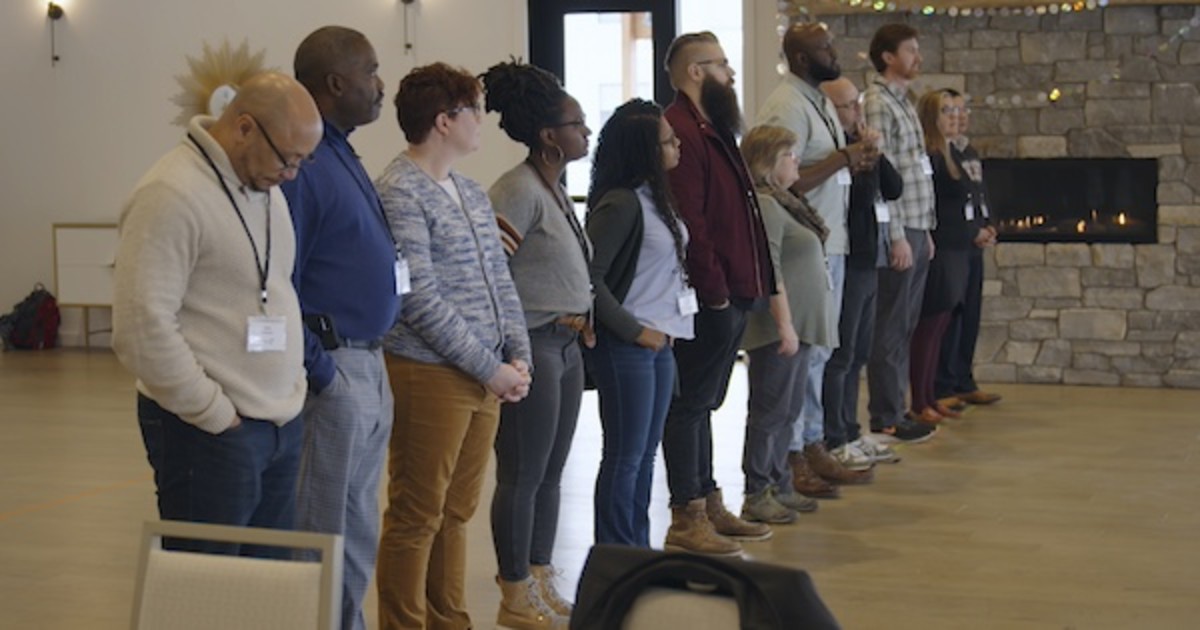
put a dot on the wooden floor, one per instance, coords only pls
(1061, 507)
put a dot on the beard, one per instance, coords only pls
(822, 73)
(720, 103)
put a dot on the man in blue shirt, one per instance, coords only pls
(349, 275)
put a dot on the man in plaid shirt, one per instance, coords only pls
(896, 56)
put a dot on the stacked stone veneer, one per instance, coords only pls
(1101, 314)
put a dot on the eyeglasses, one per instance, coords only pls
(955, 109)
(287, 166)
(850, 105)
(475, 108)
(570, 123)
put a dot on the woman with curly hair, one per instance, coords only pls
(643, 302)
(548, 257)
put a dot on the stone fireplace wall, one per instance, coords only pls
(1103, 314)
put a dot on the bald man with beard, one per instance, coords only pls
(205, 316)
(827, 164)
(729, 267)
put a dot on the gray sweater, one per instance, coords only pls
(549, 268)
(463, 309)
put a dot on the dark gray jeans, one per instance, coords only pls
(532, 444)
(897, 309)
(776, 397)
(855, 330)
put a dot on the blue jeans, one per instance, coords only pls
(635, 386)
(810, 424)
(245, 476)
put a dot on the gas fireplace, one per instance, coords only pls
(1095, 200)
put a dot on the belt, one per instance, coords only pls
(578, 323)
(360, 344)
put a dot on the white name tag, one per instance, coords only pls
(843, 177)
(926, 165)
(969, 210)
(983, 210)
(266, 334)
(403, 280)
(688, 305)
(882, 214)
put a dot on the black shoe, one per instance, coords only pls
(905, 432)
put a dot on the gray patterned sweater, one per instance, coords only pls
(463, 309)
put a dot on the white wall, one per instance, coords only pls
(76, 137)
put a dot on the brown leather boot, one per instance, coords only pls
(728, 524)
(691, 531)
(807, 482)
(828, 467)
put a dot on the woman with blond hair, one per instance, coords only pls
(778, 341)
(946, 287)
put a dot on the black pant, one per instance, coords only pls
(855, 329)
(958, 346)
(704, 366)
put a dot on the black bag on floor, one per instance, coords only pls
(33, 323)
(768, 597)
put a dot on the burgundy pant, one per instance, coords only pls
(923, 358)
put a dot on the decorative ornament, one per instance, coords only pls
(214, 79)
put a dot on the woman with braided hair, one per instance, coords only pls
(643, 302)
(548, 258)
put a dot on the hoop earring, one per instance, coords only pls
(558, 160)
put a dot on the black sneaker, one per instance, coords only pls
(904, 432)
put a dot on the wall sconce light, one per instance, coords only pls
(408, 42)
(55, 13)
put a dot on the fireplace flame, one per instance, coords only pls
(1121, 220)
(1081, 226)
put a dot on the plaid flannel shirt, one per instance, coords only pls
(888, 109)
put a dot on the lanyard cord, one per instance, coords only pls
(263, 268)
(565, 207)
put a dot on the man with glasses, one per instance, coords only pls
(730, 268)
(205, 316)
(349, 277)
(827, 164)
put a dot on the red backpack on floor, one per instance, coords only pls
(33, 324)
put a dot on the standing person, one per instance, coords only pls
(779, 342)
(730, 268)
(346, 278)
(867, 231)
(947, 284)
(205, 316)
(896, 55)
(549, 266)
(955, 382)
(459, 349)
(826, 165)
(642, 306)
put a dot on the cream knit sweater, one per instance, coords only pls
(186, 284)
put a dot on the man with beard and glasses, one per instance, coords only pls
(349, 276)
(730, 267)
(896, 56)
(827, 163)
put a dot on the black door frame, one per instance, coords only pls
(546, 36)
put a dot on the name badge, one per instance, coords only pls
(843, 177)
(266, 334)
(688, 305)
(403, 280)
(969, 210)
(983, 210)
(926, 165)
(882, 214)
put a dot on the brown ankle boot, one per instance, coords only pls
(807, 482)
(691, 531)
(728, 524)
(545, 576)
(828, 467)
(523, 609)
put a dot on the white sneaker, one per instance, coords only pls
(852, 457)
(879, 452)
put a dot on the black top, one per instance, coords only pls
(953, 230)
(615, 227)
(861, 225)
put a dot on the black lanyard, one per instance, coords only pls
(908, 113)
(359, 174)
(824, 115)
(263, 268)
(567, 211)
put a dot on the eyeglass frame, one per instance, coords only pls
(287, 166)
(475, 108)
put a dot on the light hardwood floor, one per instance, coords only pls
(1061, 507)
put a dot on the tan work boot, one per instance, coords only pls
(727, 524)
(522, 608)
(545, 575)
(691, 531)
(807, 482)
(828, 467)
